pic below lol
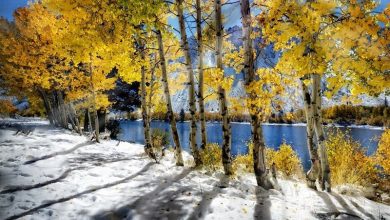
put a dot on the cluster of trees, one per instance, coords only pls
(66, 51)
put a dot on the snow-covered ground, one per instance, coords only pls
(55, 174)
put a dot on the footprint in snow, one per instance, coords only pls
(25, 174)
(93, 174)
(30, 157)
(49, 175)
(11, 198)
(23, 207)
(118, 175)
(11, 160)
(50, 213)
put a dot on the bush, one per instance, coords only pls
(383, 152)
(348, 161)
(244, 162)
(7, 108)
(348, 114)
(133, 116)
(375, 121)
(160, 141)
(211, 157)
(286, 160)
(114, 127)
(162, 116)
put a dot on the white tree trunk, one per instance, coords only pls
(191, 94)
(94, 101)
(223, 108)
(320, 134)
(145, 118)
(200, 72)
(172, 120)
(312, 174)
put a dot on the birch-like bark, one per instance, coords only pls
(75, 118)
(226, 129)
(312, 174)
(171, 116)
(320, 134)
(146, 122)
(71, 118)
(151, 83)
(200, 73)
(94, 101)
(191, 94)
(249, 74)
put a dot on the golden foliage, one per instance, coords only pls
(6, 108)
(265, 92)
(383, 152)
(350, 47)
(213, 79)
(211, 157)
(348, 161)
(286, 160)
(244, 163)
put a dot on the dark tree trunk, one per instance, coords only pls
(62, 110)
(259, 166)
(87, 121)
(102, 120)
(47, 104)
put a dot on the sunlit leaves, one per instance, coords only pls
(341, 38)
(213, 79)
(264, 92)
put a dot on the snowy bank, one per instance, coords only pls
(56, 174)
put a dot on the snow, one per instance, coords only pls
(370, 127)
(68, 177)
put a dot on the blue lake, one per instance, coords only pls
(274, 135)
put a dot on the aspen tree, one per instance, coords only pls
(191, 94)
(223, 105)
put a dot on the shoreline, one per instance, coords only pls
(298, 124)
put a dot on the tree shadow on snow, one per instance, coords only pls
(202, 208)
(99, 159)
(348, 208)
(91, 159)
(263, 204)
(12, 189)
(162, 202)
(333, 211)
(68, 151)
(77, 195)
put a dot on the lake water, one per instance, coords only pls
(274, 134)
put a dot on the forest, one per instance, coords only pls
(79, 65)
